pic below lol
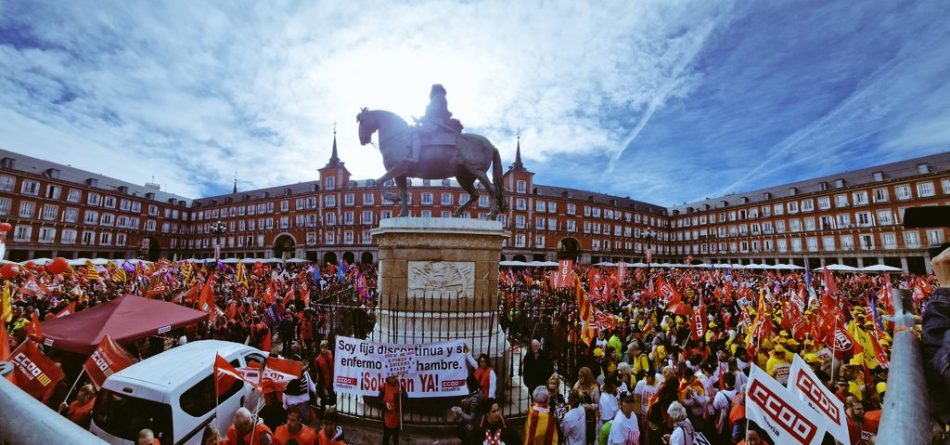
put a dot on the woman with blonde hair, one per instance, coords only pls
(589, 390)
(556, 402)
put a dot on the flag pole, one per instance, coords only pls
(71, 388)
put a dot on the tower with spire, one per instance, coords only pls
(518, 166)
(234, 190)
(335, 169)
(518, 180)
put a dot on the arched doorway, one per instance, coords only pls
(329, 258)
(520, 258)
(149, 249)
(366, 258)
(349, 258)
(284, 246)
(568, 249)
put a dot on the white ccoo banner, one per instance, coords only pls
(785, 418)
(425, 370)
(803, 382)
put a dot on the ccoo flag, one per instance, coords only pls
(108, 358)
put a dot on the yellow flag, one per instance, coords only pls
(6, 307)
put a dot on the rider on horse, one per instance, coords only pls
(438, 119)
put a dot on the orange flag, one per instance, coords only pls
(36, 328)
(206, 300)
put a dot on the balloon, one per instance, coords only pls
(9, 271)
(58, 266)
(5, 227)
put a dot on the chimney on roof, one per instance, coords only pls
(92, 182)
(52, 173)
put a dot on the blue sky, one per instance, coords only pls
(663, 101)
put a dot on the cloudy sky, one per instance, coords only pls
(663, 101)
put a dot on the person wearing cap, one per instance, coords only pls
(625, 430)
(777, 366)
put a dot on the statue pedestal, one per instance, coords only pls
(438, 280)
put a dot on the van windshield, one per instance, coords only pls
(123, 416)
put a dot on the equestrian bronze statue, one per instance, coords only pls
(427, 153)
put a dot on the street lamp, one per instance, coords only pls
(217, 229)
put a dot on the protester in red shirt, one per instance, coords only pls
(331, 433)
(323, 365)
(244, 431)
(391, 393)
(80, 410)
(294, 429)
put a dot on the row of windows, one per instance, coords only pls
(866, 241)
(30, 187)
(45, 235)
(902, 192)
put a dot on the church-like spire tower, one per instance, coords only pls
(334, 158)
(518, 166)
(234, 190)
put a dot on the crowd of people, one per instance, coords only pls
(609, 356)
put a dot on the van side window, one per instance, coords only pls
(199, 399)
(255, 358)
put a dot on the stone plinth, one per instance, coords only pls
(438, 280)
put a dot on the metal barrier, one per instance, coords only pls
(24, 420)
(906, 416)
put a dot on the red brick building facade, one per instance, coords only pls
(852, 218)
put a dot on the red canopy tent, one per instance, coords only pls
(126, 318)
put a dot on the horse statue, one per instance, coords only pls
(466, 156)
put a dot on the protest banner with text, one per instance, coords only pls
(424, 369)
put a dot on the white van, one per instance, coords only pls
(172, 394)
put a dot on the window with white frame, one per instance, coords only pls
(552, 207)
(121, 237)
(889, 240)
(5, 205)
(521, 186)
(47, 235)
(426, 214)
(366, 217)
(808, 205)
(107, 219)
(483, 201)
(29, 187)
(794, 225)
(105, 239)
(53, 191)
(519, 240)
(348, 237)
(284, 222)
(329, 201)
(847, 242)
(902, 191)
(925, 189)
(284, 205)
(824, 203)
(49, 212)
(385, 214)
(88, 238)
(520, 204)
(571, 209)
(571, 225)
(552, 223)
(330, 183)
(796, 244)
(22, 233)
(945, 184)
(330, 237)
(885, 217)
(779, 210)
(538, 205)
(27, 209)
(867, 241)
(539, 223)
(108, 201)
(864, 219)
(75, 195)
(125, 205)
(150, 225)
(68, 236)
(539, 241)
(828, 243)
(911, 239)
(935, 237)
(779, 227)
(860, 198)
(809, 224)
(841, 200)
(812, 244)
(880, 194)
(844, 220)
(7, 183)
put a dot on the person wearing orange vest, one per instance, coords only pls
(484, 375)
(391, 393)
(323, 365)
(296, 430)
(244, 431)
(331, 433)
(80, 410)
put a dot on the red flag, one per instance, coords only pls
(33, 288)
(156, 288)
(666, 290)
(232, 310)
(36, 329)
(840, 341)
(562, 278)
(305, 296)
(206, 300)
(281, 371)
(226, 375)
(698, 325)
(289, 296)
(108, 358)
(829, 280)
(68, 310)
(269, 294)
(35, 373)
